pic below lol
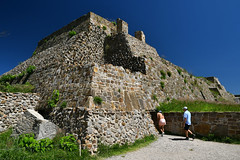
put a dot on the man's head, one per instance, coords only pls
(184, 108)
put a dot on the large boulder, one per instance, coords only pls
(33, 122)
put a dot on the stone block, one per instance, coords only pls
(122, 26)
(202, 129)
(33, 122)
(220, 130)
(140, 35)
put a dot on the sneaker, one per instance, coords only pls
(193, 136)
(186, 138)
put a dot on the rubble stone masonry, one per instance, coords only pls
(204, 123)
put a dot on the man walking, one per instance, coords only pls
(187, 122)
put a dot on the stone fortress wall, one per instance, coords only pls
(203, 123)
(103, 60)
(13, 105)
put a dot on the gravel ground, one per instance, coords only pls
(174, 147)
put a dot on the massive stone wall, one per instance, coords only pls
(66, 67)
(204, 123)
(104, 126)
(13, 105)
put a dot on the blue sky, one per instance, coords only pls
(202, 36)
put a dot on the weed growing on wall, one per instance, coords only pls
(169, 73)
(179, 71)
(97, 100)
(104, 28)
(34, 53)
(162, 85)
(64, 104)
(7, 79)
(54, 99)
(185, 81)
(114, 23)
(154, 97)
(30, 69)
(72, 33)
(163, 74)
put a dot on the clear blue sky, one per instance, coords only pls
(202, 36)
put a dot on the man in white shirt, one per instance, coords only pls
(187, 122)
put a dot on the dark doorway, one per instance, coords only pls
(154, 118)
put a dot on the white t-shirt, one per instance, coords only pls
(187, 115)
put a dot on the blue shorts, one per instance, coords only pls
(186, 126)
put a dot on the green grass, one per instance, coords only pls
(106, 151)
(10, 150)
(197, 106)
(212, 137)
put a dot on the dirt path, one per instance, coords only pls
(175, 148)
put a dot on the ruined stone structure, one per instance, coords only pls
(103, 60)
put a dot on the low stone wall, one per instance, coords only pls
(13, 105)
(204, 123)
(102, 126)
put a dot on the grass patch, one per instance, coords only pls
(23, 88)
(197, 106)
(107, 151)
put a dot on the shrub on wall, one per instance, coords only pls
(163, 74)
(154, 97)
(72, 33)
(97, 100)
(64, 104)
(7, 79)
(162, 85)
(179, 71)
(169, 73)
(30, 69)
(54, 99)
(104, 27)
